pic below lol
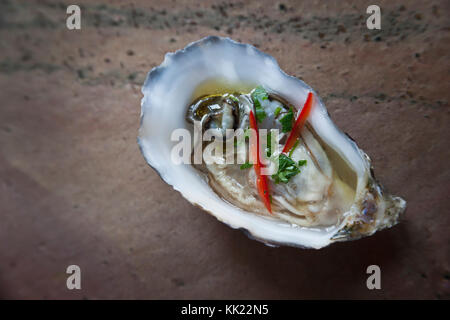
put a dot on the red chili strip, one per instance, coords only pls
(299, 123)
(261, 180)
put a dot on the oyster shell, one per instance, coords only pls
(220, 65)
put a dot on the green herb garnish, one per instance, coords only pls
(293, 148)
(259, 94)
(287, 120)
(287, 168)
(232, 97)
(247, 133)
(269, 144)
(260, 114)
(246, 166)
(277, 111)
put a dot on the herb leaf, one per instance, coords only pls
(232, 97)
(293, 148)
(247, 133)
(259, 94)
(277, 111)
(260, 113)
(287, 121)
(246, 166)
(287, 168)
(269, 143)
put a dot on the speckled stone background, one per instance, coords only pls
(74, 188)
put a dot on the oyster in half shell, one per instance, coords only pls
(331, 195)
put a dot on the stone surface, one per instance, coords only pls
(74, 188)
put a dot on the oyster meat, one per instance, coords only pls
(321, 191)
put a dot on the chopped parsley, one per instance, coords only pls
(259, 94)
(232, 97)
(293, 148)
(287, 168)
(287, 121)
(246, 166)
(269, 144)
(260, 113)
(247, 133)
(277, 111)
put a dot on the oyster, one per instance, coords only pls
(329, 195)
